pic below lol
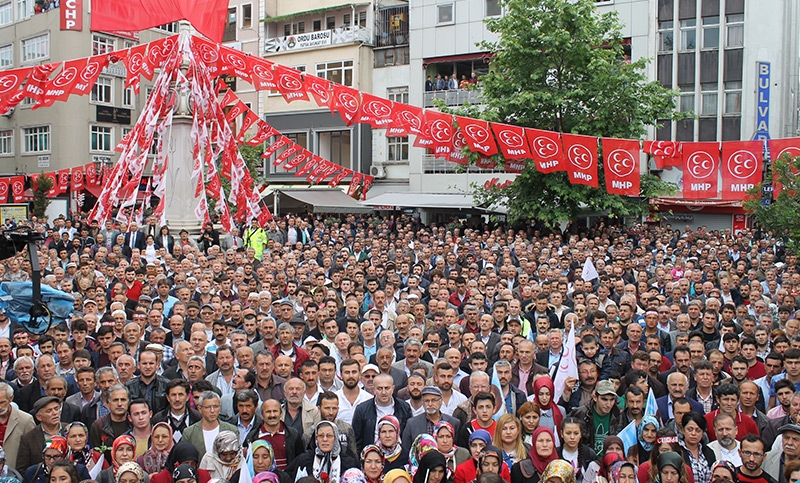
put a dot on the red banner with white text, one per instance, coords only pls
(700, 170)
(622, 167)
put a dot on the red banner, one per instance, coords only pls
(511, 141)
(581, 159)
(700, 170)
(89, 73)
(320, 90)
(38, 81)
(456, 155)
(72, 15)
(622, 166)
(547, 151)
(60, 88)
(347, 102)
(18, 188)
(76, 179)
(5, 187)
(290, 84)
(405, 120)
(263, 77)
(92, 176)
(440, 128)
(375, 111)
(742, 165)
(157, 53)
(779, 147)
(63, 179)
(666, 154)
(265, 131)
(477, 135)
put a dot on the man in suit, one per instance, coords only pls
(489, 337)
(47, 411)
(365, 417)
(45, 367)
(17, 423)
(552, 356)
(57, 386)
(383, 359)
(413, 349)
(209, 405)
(134, 238)
(432, 402)
(677, 384)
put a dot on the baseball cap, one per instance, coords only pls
(605, 387)
(370, 367)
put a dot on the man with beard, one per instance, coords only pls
(778, 456)
(351, 394)
(512, 397)
(413, 391)
(431, 416)
(329, 411)
(634, 405)
(726, 447)
(443, 378)
(752, 454)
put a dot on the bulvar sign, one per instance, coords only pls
(72, 15)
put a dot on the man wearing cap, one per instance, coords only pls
(601, 417)
(14, 422)
(47, 411)
(432, 415)
(779, 455)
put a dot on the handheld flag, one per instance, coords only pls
(567, 366)
(628, 436)
(589, 271)
(651, 407)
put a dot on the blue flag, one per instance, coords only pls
(628, 436)
(651, 407)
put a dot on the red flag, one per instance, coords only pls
(286, 153)
(700, 170)
(92, 176)
(207, 16)
(262, 75)
(63, 84)
(133, 63)
(228, 98)
(547, 150)
(375, 110)
(274, 147)
(477, 135)
(264, 217)
(310, 164)
(320, 90)
(214, 187)
(53, 191)
(290, 84)
(623, 171)
(157, 53)
(347, 102)
(38, 80)
(265, 131)
(514, 165)
(581, 154)
(249, 119)
(237, 110)
(484, 162)
(355, 182)
(11, 80)
(742, 163)
(340, 176)
(18, 188)
(440, 128)
(77, 179)
(666, 154)
(232, 61)
(4, 189)
(405, 120)
(63, 180)
(89, 74)
(299, 159)
(779, 147)
(511, 140)
(207, 53)
(456, 155)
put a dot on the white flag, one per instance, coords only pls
(589, 272)
(567, 366)
(94, 473)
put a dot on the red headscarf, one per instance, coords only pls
(121, 440)
(548, 383)
(541, 462)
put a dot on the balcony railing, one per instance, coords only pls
(313, 40)
(457, 97)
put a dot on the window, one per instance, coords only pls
(733, 97)
(102, 45)
(36, 139)
(346, 20)
(397, 146)
(229, 33)
(398, 94)
(102, 92)
(708, 96)
(36, 48)
(317, 25)
(6, 142)
(391, 56)
(710, 32)
(25, 8)
(362, 19)
(287, 29)
(301, 27)
(735, 30)
(100, 139)
(687, 99)
(689, 34)
(444, 14)
(6, 55)
(493, 8)
(330, 23)
(335, 147)
(339, 72)
(169, 27)
(127, 97)
(666, 36)
(247, 16)
(6, 13)
(154, 147)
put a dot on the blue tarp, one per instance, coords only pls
(16, 299)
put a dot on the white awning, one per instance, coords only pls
(320, 200)
(447, 201)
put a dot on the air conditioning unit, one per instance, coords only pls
(9, 113)
(379, 172)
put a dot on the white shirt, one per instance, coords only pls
(731, 455)
(346, 409)
(381, 412)
(209, 437)
(456, 398)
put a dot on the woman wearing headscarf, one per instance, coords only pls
(613, 451)
(666, 440)
(7, 473)
(390, 444)
(724, 472)
(397, 476)
(123, 451)
(353, 475)
(467, 471)
(260, 459)
(622, 472)
(372, 463)
(558, 471)
(161, 442)
(542, 452)
(492, 461)
(432, 469)
(79, 449)
(266, 477)
(324, 459)
(421, 445)
(550, 413)
(646, 432)
(130, 472)
(55, 448)
(225, 457)
(183, 453)
(446, 444)
(671, 468)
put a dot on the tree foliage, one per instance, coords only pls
(40, 200)
(560, 66)
(780, 216)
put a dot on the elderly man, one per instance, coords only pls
(676, 386)
(16, 422)
(432, 415)
(413, 350)
(47, 411)
(297, 412)
(789, 450)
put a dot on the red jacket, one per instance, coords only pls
(744, 425)
(300, 356)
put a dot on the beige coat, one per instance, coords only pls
(19, 423)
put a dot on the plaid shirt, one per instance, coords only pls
(700, 467)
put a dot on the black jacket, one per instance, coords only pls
(365, 417)
(306, 462)
(586, 414)
(293, 440)
(158, 393)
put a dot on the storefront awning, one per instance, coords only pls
(315, 200)
(447, 201)
(482, 56)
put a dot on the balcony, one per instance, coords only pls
(457, 97)
(434, 165)
(314, 40)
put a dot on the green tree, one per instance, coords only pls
(559, 65)
(780, 215)
(40, 200)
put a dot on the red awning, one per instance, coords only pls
(93, 190)
(482, 56)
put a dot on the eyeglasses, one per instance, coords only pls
(51, 457)
(751, 454)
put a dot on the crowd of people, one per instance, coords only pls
(379, 350)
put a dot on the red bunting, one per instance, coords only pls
(290, 84)
(622, 166)
(286, 154)
(37, 83)
(375, 111)
(511, 140)
(440, 128)
(249, 119)
(320, 90)
(265, 131)
(5, 187)
(547, 151)
(340, 176)
(355, 182)
(208, 53)
(76, 180)
(262, 75)
(456, 153)
(347, 102)
(235, 111)
(228, 98)
(89, 74)
(310, 164)
(134, 61)
(666, 154)
(299, 159)
(274, 147)
(62, 85)
(18, 188)
(232, 61)
(405, 120)
(477, 135)
(581, 154)
(700, 170)
(214, 187)
(157, 52)
(366, 186)
(742, 163)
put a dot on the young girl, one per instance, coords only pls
(572, 450)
